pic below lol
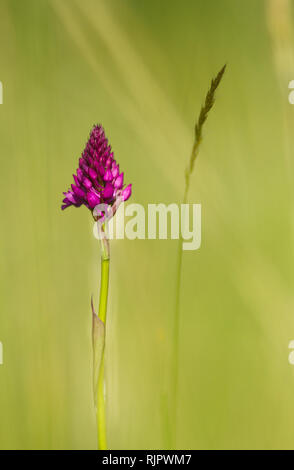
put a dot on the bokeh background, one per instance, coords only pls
(142, 69)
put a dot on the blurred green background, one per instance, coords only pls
(142, 69)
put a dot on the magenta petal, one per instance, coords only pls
(70, 197)
(79, 174)
(82, 162)
(87, 183)
(107, 191)
(93, 199)
(96, 166)
(76, 180)
(126, 192)
(115, 171)
(85, 168)
(108, 162)
(78, 191)
(108, 176)
(92, 174)
(101, 170)
(118, 184)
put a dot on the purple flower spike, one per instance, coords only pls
(97, 180)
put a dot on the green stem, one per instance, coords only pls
(101, 414)
(104, 289)
(100, 411)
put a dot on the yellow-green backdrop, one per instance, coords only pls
(142, 68)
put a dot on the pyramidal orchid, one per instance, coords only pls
(98, 179)
(99, 184)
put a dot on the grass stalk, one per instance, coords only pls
(208, 104)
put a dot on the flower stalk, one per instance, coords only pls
(101, 395)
